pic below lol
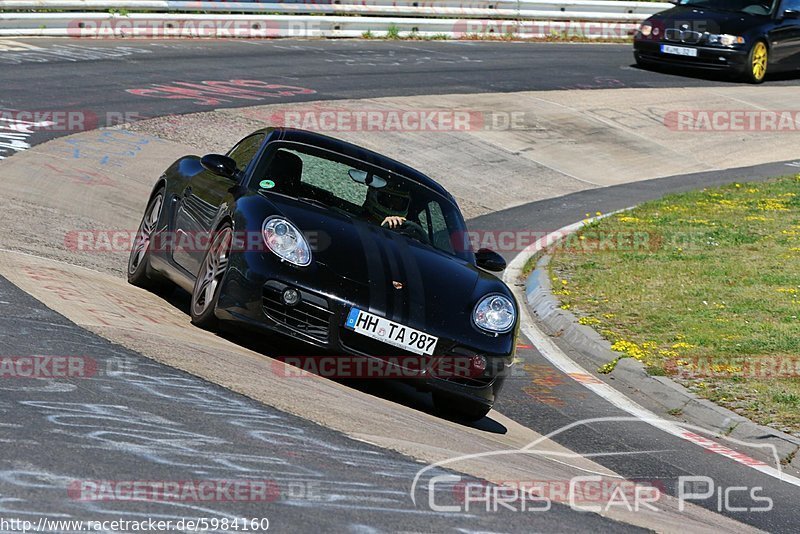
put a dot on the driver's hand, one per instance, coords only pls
(393, 222)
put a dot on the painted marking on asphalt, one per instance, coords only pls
(548, 349)
(16, 53)
(7, 45)
(584, 378)
(14, 134)
(214, 92)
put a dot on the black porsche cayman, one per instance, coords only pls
(747, 38)
(346, 250)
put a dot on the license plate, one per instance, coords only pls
(679, 50)
(391, 333)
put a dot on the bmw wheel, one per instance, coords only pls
(757, 63)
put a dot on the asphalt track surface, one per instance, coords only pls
(96, 76)
(143, 421)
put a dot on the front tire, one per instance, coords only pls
(139, 272)
(459, 409)
(208, 284)
(757, 63)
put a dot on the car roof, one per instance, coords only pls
(355, 152)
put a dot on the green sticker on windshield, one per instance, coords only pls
(266, 184)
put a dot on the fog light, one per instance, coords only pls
(479, 363)
(291, 297)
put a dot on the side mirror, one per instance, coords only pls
(490, 260)
(791, 14)
(220, 165)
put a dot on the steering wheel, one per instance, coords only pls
(414, 231)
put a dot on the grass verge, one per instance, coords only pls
(703, 287)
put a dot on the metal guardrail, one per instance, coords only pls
(342, 18)
(363, 7)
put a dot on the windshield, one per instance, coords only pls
(751, 7)
(364, 192)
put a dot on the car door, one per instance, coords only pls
(200, 203)
(785, 37)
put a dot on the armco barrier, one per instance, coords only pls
(301, 18)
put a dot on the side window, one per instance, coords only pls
(438, 228)
(423, 221)
(245, 151)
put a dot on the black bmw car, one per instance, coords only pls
(747, 38)
(350, 252)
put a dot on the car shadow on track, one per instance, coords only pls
(287, 350)
(712, 76)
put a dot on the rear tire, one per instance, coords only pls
(208, 284)
(452, 407)
(757, 63)
(139, 272)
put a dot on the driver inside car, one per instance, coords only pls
(387, 206)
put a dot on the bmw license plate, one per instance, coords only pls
(679, 50)
(391, 333)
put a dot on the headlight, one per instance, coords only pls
(495, 313)
(286, 241)
(725, 39)
(646, 29)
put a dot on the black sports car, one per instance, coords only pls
(300, 234)
(747, 38)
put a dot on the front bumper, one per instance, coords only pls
(252, 296)
(708, 58)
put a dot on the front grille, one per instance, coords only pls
(310, 316)
(682, 36)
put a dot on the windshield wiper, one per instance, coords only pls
(313, 201)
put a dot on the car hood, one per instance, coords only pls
(399, 278)
(708, 20)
